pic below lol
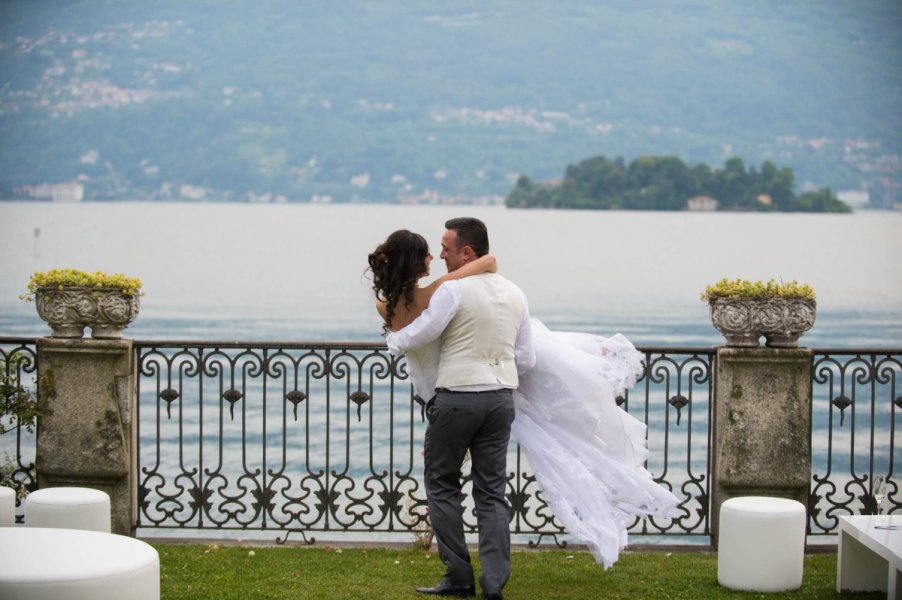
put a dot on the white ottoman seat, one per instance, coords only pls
(761, 544)
(68, 508)
(7, 506)
(50, 564)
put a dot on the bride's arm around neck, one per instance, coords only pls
(484, 264)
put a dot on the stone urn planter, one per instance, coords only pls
(743, 312)
(68, 301)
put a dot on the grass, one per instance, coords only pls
(220, 571)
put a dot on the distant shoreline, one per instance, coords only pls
(171, 201)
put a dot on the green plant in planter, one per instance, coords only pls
(60, 279)
(741, 288)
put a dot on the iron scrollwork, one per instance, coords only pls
(327, 438)
(18, 394)
(854, 399)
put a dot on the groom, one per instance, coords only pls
(486, 341)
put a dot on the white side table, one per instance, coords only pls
(39, 563)
(762, 544)
(869, 555)
(68, 507)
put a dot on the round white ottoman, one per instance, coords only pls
(51, 564)
(761, 545)
(7, 506)
(68, 508)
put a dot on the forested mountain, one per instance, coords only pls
(439, 101)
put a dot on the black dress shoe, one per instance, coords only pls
(494, 596)
(449, 589)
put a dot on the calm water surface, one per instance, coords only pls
(296, 272)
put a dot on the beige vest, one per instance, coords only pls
(478, 343)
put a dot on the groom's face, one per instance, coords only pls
(454, 256)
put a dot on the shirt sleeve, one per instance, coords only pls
(524, 348)
(430, 324)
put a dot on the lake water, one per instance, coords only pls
(296, 272)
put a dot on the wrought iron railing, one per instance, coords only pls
(18, 387)
(856, 401)
(326, 437)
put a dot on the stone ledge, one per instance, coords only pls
(762, 354)
(84, 345)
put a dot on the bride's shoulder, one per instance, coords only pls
(427, 291)
(381, 309)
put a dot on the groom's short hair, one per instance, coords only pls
(470, 232)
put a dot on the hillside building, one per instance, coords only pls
(702, 203)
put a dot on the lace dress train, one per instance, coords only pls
(587, 454)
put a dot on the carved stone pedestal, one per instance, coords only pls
(762, 425)
(86, 432)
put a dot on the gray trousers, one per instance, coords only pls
(481, 423)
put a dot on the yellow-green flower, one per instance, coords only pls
(65, 278)
(741, 288)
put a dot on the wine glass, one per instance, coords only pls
(879, 492)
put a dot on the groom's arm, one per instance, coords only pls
(430, 324)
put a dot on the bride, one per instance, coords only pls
(587, 454)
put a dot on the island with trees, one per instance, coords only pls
(667, 183)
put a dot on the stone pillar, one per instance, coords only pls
(86, 395)
(762, 425)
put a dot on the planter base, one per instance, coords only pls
(67, 331)
(107, 332)
(742, 340)
(775, 340)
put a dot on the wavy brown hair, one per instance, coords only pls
(397, 264)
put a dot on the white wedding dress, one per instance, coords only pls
(586, 452)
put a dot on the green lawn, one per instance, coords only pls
(248, 572)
